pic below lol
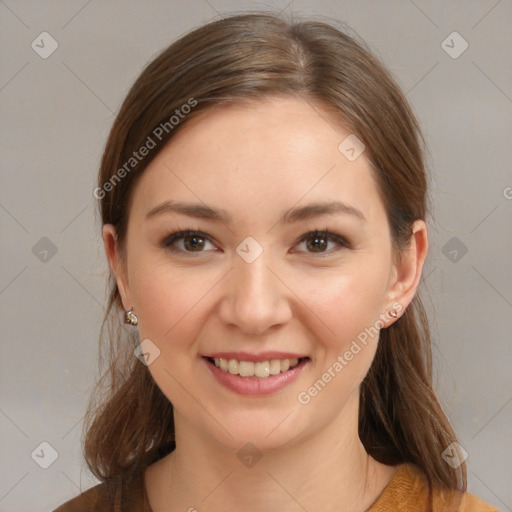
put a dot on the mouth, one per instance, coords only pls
(256, 375)
(256, 369)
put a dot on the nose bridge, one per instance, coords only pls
(255, 299)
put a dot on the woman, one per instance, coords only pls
(263, 199)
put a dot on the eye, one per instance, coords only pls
(317, 242)
(190, 241)
(187, 241)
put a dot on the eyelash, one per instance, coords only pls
(169, 240)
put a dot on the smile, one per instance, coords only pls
(260, 369)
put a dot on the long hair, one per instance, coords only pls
(243, 58)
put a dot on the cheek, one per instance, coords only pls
(349, 306)
(170, 303)
(347, 302)
(167, 299)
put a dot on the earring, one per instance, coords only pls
(130, 317)
(393, 313)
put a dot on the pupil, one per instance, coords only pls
(195, 244)
(316, 244)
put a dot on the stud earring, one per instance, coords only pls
(130, 317)
(393, 313)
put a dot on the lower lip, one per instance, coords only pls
(256, 385)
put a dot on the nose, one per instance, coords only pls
(255, 298)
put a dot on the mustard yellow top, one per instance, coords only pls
(408, 491)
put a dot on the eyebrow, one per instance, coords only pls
(202, 211)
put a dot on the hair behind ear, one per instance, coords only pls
(400, 418)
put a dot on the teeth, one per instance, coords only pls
(261, 369)
(233, 366)
(275, 366)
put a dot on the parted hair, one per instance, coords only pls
(246, 58)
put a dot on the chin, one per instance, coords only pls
(263, 430)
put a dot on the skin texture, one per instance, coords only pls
(256, 162)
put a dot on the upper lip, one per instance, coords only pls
(262, 356)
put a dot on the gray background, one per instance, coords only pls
(56, 114)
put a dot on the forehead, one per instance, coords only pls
(258, 158)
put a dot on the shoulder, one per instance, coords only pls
(95, 498)
(123, 493)
(471, 503)
(409, 490)
(464, 502)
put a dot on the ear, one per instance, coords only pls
(117, 264)
(406, 273)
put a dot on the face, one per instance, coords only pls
(264, 281)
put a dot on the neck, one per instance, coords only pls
(329, 470)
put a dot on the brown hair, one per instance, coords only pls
(129, 422)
